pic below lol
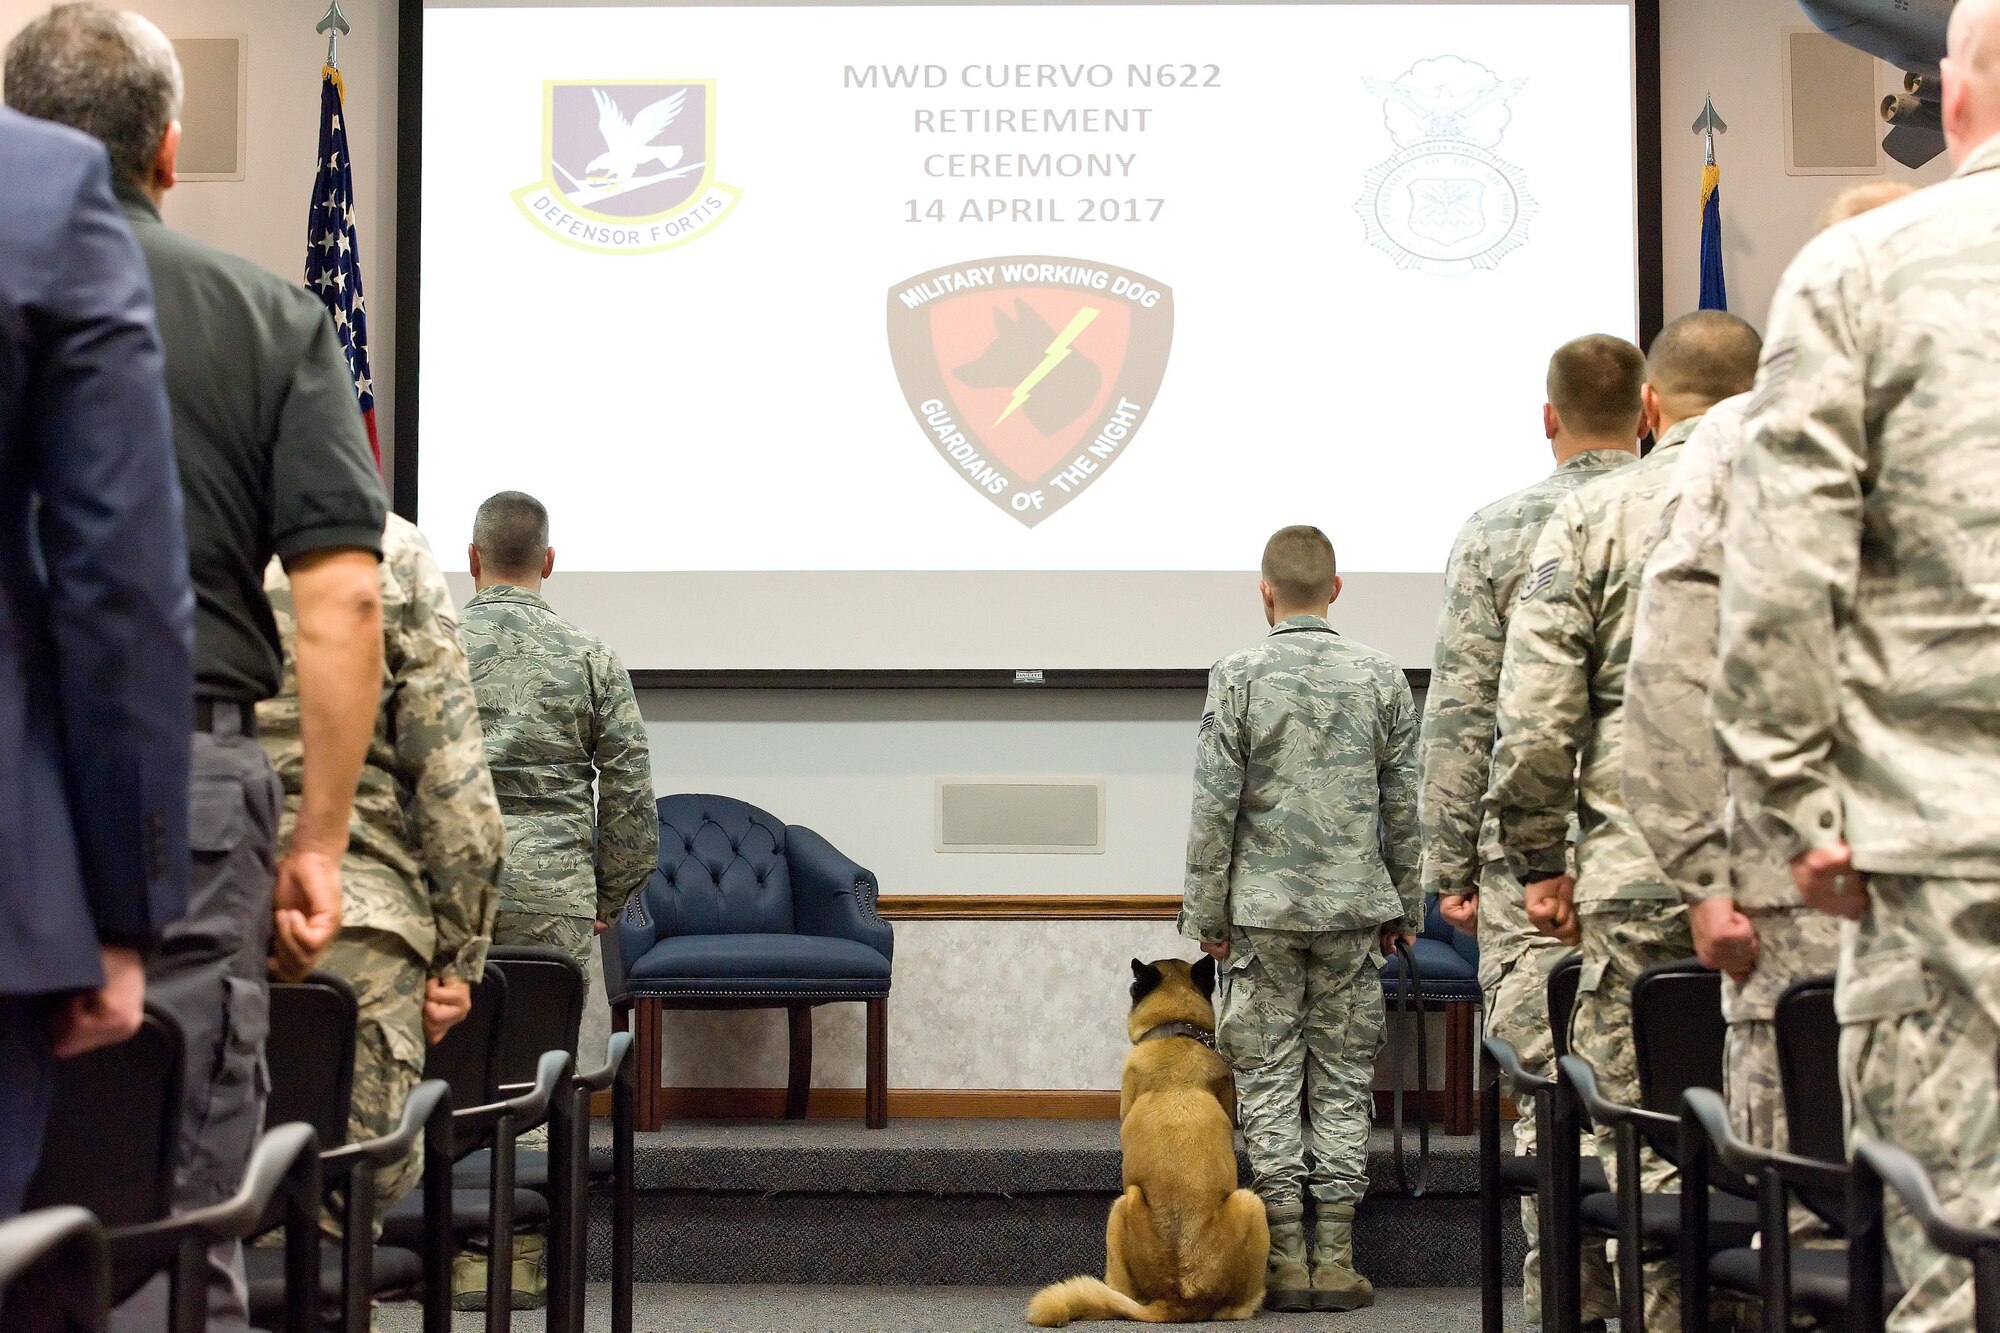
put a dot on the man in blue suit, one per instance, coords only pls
(96, 628)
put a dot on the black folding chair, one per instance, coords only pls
(468, 1061)
(110, 1147)
(1877, 1164)
(1678, 1034)
(1503, 1175)
(617, 1074)
(55, 1273)
(308, 1020)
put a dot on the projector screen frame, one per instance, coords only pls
(1649, 215)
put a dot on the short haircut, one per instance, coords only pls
(1701, 359)
(1594, 384)
(511, 531)
(1299, 566)
(1855, 200)
(108, 73)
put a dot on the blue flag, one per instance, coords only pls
(1714, 290)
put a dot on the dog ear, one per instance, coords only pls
(1203, 976)
(1146, 978)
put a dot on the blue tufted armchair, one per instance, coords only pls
(745, 912)
(1448, 965)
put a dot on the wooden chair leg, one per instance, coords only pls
(798, 1083)
(651, 1111)
(1459, 1117)
(878, 1063)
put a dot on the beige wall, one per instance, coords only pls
(1731, 49)
(263, 216)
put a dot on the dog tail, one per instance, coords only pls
(1091, 1298)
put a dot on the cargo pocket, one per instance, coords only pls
(227, 1114)
(1241, 1024)
(1884, 984)
(217, 817)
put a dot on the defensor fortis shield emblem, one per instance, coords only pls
(628, 166)
(1030, 375)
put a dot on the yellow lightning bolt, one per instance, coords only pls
(1052, 358)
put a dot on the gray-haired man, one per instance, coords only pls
(273, 459)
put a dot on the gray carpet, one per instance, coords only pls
(962, 1203)
(768, 1309)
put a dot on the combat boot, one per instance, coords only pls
(1286, 1284)
(1335, 1284)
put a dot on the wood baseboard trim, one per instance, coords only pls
(1030, 907)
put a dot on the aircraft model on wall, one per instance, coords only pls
(1909, 34)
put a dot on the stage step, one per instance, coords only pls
(964, 1203)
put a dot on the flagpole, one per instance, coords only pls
(1714, 287)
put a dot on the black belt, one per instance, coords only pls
(209, 712)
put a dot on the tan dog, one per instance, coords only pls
(1184, 1244)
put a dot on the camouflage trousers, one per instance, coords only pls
(1517, 1012)
(1919, 1003)
(388, 981)
(1793, 944)
(1300, 1022)
(1621, 940)
(573, 935)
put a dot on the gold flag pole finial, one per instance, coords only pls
(335, 25)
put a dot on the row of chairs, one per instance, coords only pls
(105, 1227)
(1729, 1225)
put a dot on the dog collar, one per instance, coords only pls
(1180, 1027)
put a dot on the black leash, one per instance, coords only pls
(1410, 1002)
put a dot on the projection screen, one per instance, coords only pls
(931, 336)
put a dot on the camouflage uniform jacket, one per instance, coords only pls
(1481, 585)
(1305, 790)
(1562, 688)
(1859, 693)
(559, 713)
(1675, 783)
(425, 841)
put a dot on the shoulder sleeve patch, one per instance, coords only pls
(1538, 581)
(1771, 378)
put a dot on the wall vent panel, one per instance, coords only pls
(1048, 818)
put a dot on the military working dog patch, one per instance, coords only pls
(628, 167)
(1031, 374)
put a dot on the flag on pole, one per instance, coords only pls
(1714, 290)
(333, 253)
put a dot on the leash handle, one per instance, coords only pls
(1410, 1002)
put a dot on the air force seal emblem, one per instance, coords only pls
(1030, 375)
(1444, 203)
(627, 167)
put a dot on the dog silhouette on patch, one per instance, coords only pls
(1019, 344)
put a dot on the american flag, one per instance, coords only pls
(333, 252)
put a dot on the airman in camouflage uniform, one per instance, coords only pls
(1561, 724)
(1675, 787)
(423, 852)
(1461, 839)
(1302, 854)
(1858, 700)
(569, 757)
(1753, 927)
